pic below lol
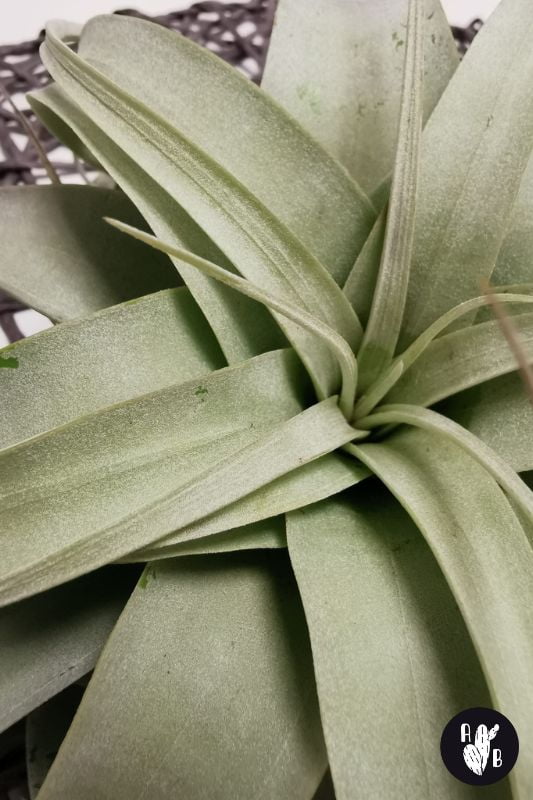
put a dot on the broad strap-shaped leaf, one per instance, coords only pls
(384, 324)
(59, 257)
(467, 134)
(336, 65)
(82, 366)
(255, 241)
(485, 557)
(499, 413)
(216, 648)
(111, 483)
(242, 328)
(307, 189)
(432, 421)
(393, 660)
(459, 360)
(46, 727)
(315, 481)
(48, 642)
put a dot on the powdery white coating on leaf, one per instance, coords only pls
(336, 65)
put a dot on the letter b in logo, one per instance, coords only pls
(479, 746)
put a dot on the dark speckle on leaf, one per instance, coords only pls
(200, 391)
(9, 363)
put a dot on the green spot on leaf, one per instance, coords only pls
(148, 575)
(9, 363)
(200, 391)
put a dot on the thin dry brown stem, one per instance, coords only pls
(50, 171)
(511, 334)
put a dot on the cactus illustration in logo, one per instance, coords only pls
(476, 755)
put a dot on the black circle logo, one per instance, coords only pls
(479, 746)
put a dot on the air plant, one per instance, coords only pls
(313, 445)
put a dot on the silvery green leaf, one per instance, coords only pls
(336, 65)
(309, 332)
(308, 190)
(113, 482)
(464, 203)
(460, 360)
(393, 659)
(242, 328)
(205, 691)
(499, 413)
(386, 313)
(59, 257)
(313, 482)
(48, 642)
(486, 557)
(514, 258)
(259, 245)
(81, 366)
(429, 420)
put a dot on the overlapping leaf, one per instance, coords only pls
(486, 557)
(390, 292)
(243, 329)
(254, 240)
(392, 657)
(120, 353)
(206, 683)
(116, 481)
(60, 258)
(499, 413)
(50, 641)
(458, 236)
(459, 360)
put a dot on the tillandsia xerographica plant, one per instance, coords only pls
(315, 444)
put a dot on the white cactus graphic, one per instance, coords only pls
(476, 755)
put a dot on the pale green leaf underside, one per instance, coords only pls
(464, 203)
(48, 642)
(486, 557)
(215, 653)
(59, 257)
(459, 360)
(242, 328)
(307, 190)
(336, 65)
(78, 367)
(393, 660)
